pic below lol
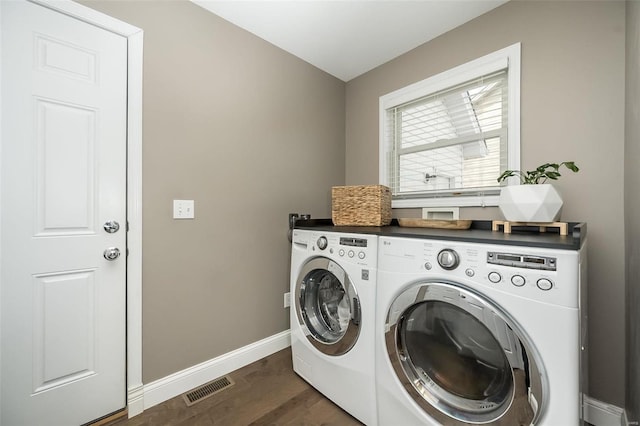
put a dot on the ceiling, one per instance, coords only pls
(347, 38)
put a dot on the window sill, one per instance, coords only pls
(486, 201)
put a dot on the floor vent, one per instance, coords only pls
(207, 390)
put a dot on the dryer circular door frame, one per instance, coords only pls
(328, 306)
(462, 358)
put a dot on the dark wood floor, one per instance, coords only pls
(266, 392)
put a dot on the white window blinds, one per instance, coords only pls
(450, 142)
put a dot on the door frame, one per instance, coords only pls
(134, 36)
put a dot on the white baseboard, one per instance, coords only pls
(135, 400)
(602, 414)
(192, 377)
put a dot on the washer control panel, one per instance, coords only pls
(353, 247)
(357, 249)
(522, 261)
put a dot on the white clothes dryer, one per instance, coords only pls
(475, 333)
(333, 278)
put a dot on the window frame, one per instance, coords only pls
(509, 58)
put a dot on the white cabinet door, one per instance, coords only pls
(63, 163)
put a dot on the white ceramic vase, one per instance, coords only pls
(530, 203)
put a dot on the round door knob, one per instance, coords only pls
(112, 253)
(111, 226)
(448, 259)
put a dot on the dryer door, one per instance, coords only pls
(461, 358)
(328, 307)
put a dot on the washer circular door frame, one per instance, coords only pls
(347, 339)
(438, 402)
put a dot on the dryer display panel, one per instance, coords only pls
(328, 306)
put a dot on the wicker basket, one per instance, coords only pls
(361, 205)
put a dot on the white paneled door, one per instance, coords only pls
(63, 194)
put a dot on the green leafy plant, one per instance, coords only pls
(540, 174)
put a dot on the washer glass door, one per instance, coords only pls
(461, 358)
(327, 307)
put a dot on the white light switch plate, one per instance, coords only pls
(183, 209)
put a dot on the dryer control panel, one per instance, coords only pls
(548, 275)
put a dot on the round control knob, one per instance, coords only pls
(351, 253)
(494, 277)
(361, 255)
(448, 259)
(544, 284)
(341, 252)
(470, 272)
(517, 280)
(427, 266)
(322, 243)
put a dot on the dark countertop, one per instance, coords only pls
(480, 232)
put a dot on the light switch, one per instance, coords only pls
(183, 209)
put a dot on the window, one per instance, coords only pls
(445, 140)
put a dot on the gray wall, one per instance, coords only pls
(572, 106)
(250, 133)
(632, 208)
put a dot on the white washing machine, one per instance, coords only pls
(475, 333)
(333, 279)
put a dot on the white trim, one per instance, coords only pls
(134, 37)
(135, 400)
(513, 120)
(599, 413)
(487, 64)
(509, 56)
(470, 201)
(134, 218)
(177, 383)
